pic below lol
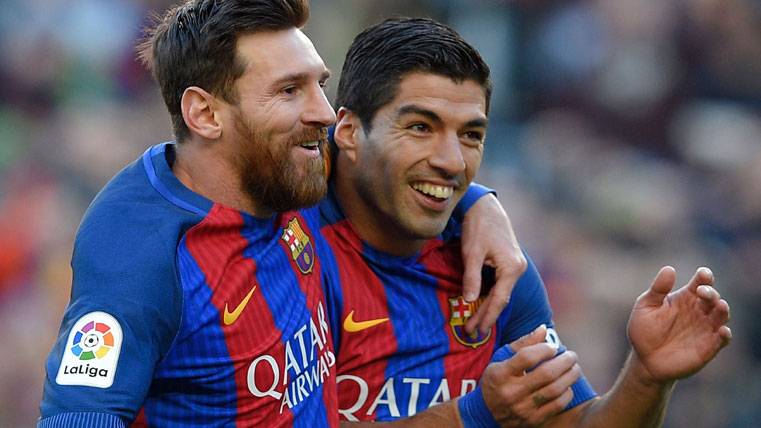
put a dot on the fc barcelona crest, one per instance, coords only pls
(301, 248)
(461, 311)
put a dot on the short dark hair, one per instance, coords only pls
(383, 54)
(193, 44)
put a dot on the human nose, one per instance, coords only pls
(319, 112)
(447, 155)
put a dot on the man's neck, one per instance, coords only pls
(206, 171)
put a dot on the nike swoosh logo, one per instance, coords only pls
(230, 317)
(354, 326)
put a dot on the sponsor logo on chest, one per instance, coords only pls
(306, 363)
(399, 396)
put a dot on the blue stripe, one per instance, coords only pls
(197, 361)
(279, 283)
(82, 420)
(416, 317)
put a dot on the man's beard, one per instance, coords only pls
(270, 177)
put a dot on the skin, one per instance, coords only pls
(281, 104)
(424, 135)
(430, 136)
(259, 139)
(673, 335)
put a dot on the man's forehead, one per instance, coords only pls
(439, 97)
(280, 52)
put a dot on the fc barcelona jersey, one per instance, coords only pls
(398, 324)
(189, 313)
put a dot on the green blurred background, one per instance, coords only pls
(625, 135)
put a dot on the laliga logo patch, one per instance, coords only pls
(92, 351)
(461, 311)
(300, 246)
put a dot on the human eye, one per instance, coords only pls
(419, 127)
(474, 136)
(289, 89)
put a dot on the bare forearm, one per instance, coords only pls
(445, 415)
(631, 403)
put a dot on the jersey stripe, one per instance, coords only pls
(419, 325)
(365, 297)
(463, 365)
(222, 246)
(311, 285)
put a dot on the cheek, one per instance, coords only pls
(472, 159)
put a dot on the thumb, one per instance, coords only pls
(662, 284)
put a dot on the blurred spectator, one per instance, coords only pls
(624, 135)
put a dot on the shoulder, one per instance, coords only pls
(125, 250)
(130, 225)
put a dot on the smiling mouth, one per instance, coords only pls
(435, 191)
(311, 145)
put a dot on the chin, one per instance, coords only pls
(429, 230)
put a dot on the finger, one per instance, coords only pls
(527, 358)
(473, 322)
(708, 294)
(536, 336)
(726, 335)
(661, 286)
(495, 303)
(555, 389)
(703, 275)
(720, 313)
(553, 407)
(509, 350)
(555, 395)
(549, 371)
(473, 262)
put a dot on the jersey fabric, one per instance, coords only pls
(398, 324)
(185, 312)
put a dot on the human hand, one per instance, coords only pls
(488, 239)
(674, 334)
(531, 386)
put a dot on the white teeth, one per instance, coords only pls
(310, 144)
(441, 192)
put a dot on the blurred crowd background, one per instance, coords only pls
(625, 135)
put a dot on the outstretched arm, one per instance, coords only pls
(673, 336)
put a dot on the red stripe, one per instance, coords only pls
(140, 420)
(444, 262)
(217, 246)
(311, 286)
(363, 293)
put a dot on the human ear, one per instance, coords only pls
(347, 132)
(200, 114)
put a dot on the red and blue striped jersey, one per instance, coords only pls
(185, 312)
(398, 324)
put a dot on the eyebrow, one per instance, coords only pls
(301, 77)
(413, 109)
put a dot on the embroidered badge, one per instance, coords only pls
(460, 312)
(92, 351)
(301, 248)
